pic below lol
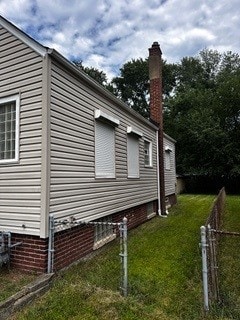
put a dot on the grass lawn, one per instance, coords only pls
(164, 274)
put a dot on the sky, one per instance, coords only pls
(107, 33)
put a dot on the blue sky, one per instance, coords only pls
(107, 33)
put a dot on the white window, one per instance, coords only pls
(147, 153)
(133, 152)
(167, 159)
(9, 129)
(104, 145)
(103, 232)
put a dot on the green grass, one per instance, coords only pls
(12, 281)
(164, 274)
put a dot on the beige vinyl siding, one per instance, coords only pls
(170, 175)
(74, 190)
(20, 183)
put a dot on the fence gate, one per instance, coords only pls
(107, 228)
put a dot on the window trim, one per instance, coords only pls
(150, 165)
(16, 99)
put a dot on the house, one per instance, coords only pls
(71, 149)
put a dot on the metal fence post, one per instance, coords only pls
(204, 268)
(124, 257)
(213, 264)
(51, 245)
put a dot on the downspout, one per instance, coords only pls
(158, 178)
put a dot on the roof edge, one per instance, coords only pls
(36, 46)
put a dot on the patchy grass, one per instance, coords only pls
(164, 274)
(12, 281)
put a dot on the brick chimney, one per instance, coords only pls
(156, 113)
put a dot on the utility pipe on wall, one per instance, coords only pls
(158, 178)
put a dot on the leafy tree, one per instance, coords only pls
(97, 75)
(132, 86)
(204, 114)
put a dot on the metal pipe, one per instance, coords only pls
(125, 258)
(158, 178)
(204, 267)
(50, 245)
(123, 254)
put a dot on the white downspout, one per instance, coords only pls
(158, 178)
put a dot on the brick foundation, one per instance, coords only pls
(31, 255)
(70, 245)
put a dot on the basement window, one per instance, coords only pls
(9, 129)
(104, 232)
(150, 210)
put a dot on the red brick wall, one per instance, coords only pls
(31, 255)
(72, 244)
(69, 245)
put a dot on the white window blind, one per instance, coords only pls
(167, 160)
(133, 156)
(104, 150)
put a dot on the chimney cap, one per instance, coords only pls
(155, 49)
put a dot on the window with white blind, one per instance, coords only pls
(9, 129)
(105, 145)
(167, 160)
(133, 155)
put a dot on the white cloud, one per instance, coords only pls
(107, 33)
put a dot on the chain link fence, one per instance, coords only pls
(209, 246)
(95, 234)
(211, 234)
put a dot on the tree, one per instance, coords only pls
(204, 114)
(97, 75)
(132, 86)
